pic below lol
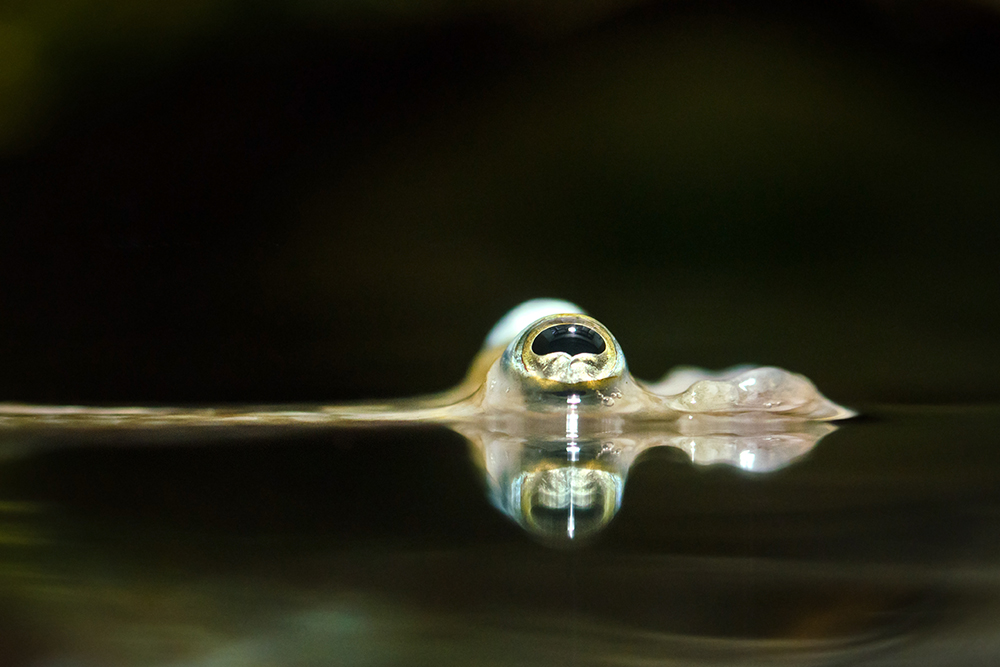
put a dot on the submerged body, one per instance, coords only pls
(552, 414)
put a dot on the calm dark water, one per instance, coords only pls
(380, 548)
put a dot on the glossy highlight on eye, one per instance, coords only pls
(571, 339)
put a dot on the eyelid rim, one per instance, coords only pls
(611, 366)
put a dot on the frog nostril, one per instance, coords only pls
(573, 339)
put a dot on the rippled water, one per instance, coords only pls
(382, 548)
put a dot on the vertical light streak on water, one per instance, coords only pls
(572, 451)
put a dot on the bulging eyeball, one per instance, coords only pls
(565, 352)
(557, 360)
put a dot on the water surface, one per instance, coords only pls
(381, 548)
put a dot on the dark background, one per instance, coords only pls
(246, 201)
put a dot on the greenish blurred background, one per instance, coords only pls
(232, 200)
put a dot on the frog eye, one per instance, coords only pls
(573, 339)
(565, 350)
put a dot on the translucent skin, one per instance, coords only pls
(520, 379)
(506, 380)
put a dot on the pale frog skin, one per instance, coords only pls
(508, 380)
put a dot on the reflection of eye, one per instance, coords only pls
(572, 339)
(568, 486)
(568, 502)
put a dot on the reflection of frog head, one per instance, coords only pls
(561, 490)
(567, 502)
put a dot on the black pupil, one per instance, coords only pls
(573, 339)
